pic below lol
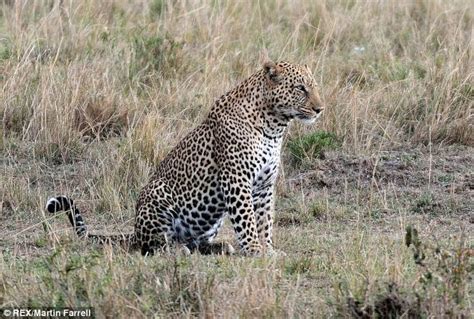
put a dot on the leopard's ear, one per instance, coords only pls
(272, 71)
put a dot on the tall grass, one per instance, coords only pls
(390, 72)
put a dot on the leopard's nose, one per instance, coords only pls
(318, 109)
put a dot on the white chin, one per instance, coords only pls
(309, 120)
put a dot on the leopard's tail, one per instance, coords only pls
(64, 203)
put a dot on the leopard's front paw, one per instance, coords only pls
(229, 249)
(252, 251)
(272, 252)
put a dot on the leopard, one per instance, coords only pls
(227, 167)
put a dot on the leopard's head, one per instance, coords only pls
(292, 92)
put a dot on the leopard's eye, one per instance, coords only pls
(301, 88)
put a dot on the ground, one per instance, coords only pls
(375, 202)
(340, 219)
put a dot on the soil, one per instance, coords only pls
(436, 182)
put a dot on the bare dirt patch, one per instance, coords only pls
(440, 181)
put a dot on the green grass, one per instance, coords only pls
(192, 285)
(311, 146)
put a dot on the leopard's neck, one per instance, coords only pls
(249, 105)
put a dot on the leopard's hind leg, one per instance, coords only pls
(155, 215)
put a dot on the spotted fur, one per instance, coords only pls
(227, 166)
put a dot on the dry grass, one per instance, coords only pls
(94, 93)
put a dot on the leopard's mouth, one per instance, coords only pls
(308, 117)
(308, 120)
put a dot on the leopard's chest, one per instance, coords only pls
(268, 160)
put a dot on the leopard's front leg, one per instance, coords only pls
(234, 156)
(238, 196)
(264, 210)
(263, 203)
